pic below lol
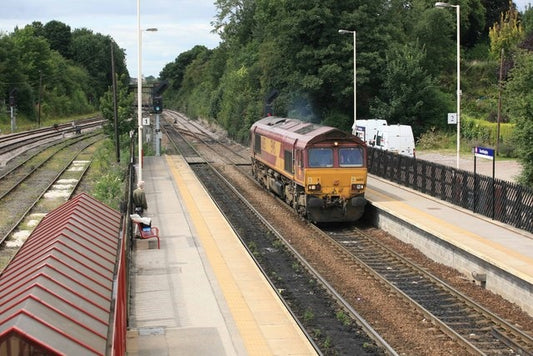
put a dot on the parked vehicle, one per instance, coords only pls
(366, 130)
(394, 138)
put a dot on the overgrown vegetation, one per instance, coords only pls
(406, 68)
(288, 57)
(49, 72)
(108, 175)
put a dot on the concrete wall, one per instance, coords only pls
(472, 267)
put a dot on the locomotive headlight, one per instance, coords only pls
(314, 187)
(358, 186)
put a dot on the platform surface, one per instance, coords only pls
(504, 246)
(200, 294)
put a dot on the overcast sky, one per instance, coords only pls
(181, 24)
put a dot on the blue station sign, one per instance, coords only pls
(484, 152)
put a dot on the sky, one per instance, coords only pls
(181, 24)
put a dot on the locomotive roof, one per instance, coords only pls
(304, 132)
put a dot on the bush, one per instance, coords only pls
(484, 132)
(109, 175)
(434, 139)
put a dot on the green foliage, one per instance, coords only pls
(507, 33)
(409, 94)
(109, 187)
(433, 139)
(59, 36)
(65, 72)
(527, 19)
(405, 66)
(124, 111)
(518, 95)
(484, 132)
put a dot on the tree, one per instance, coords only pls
(518, 95)
(507, 33)
(435, 31)
(124, 108)
(93, 52)
(527, 20)
(493, 11)
(59, 37)
(175, 71)
(409, 95)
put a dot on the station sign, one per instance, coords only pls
(484, 152)
(452, 118)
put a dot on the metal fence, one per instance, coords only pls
(500, 200)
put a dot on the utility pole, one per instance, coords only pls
(115, 109)
(12, 108)
(499, 104)
(40, 98)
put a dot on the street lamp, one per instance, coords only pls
(354, 77)
(139, 87)
(443, 5)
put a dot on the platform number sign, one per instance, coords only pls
(452, 118)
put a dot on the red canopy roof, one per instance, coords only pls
(56, 294)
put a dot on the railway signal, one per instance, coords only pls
(158, 104)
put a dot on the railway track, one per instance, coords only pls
(32, 138)
(232, 152)
(23, 188)
(461, 319)
(481, 331)
(332, 325)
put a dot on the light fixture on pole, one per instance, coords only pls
(458, 15)
(354, 76)
(139, 92)
(139, 88)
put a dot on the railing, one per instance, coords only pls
(122, 282)
(497, 199)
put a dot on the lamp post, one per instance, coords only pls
(457, 8)
(354, 76)
(139, 87)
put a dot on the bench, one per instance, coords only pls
(147, 232)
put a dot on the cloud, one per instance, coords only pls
(181, 25)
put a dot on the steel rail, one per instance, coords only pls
(34, 203)
(514, 338)
(359, 320)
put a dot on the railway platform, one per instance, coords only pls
(200, 293)
(494, 255)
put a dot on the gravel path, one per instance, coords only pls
(507, 170)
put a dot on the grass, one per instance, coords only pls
(24, 124)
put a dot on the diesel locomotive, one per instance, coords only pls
(318, 170)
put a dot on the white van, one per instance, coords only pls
(396, 138)
(367, 129)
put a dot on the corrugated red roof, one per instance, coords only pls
(56, 294)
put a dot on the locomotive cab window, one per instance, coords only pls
(288, 161)
(257, 143)
(351, 157)
(320, 157)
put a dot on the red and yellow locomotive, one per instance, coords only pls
(319, 170)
